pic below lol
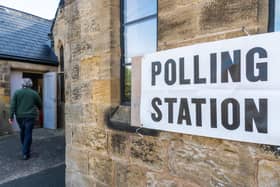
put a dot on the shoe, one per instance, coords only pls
(25, 157)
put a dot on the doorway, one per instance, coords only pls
(37, 80)
(45, 86)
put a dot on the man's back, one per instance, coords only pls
(25, 103)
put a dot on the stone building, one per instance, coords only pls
(98, 39)
(25, 51)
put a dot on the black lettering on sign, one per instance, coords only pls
(158, 115)
(250, 65)
(259, 116)
(156, 70)
(213, 109)
(198, 103)
(235, 114)
(197, 79)
(213, 67)
(183, 80)
(184, 112)
(170, 68)
(230, 66)
(170, 102)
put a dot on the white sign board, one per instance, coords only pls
(227, 89)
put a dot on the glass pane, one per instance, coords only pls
(135, 9)
(141, 38)
(127, 83)
(128, 60)
(277, 15)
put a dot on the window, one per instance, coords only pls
(277, 16)
(274, 15)
(61, 58)
(139, 36)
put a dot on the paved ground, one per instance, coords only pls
(45, 165)
(42, 179)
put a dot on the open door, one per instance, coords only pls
(49, 100)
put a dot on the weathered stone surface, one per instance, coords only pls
(219, 13)
(200, 18)
(90, 137)
(173, 27)
(269, 173)
(68, 176)
(75, 73)
(68, 133)
(78, 180)
(73, 113)
(129, 175)
(156, 180)
(149, 151)
(101, 168)
(101, 91)
(80, 92)
(90, 113)
(227, 164)
(115, 92)
(96, 139)
(77, 160)
(119, 144)
(90, 68)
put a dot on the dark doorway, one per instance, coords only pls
(37, 80)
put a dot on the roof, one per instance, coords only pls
(60, 5)
(24, 37)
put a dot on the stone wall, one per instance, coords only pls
(100, 156)
(6, 66)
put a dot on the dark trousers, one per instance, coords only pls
(26, 126)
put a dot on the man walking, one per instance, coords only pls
(25, 105)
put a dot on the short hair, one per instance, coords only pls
(27, 83)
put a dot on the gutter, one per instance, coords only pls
(30, 60)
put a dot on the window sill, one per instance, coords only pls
(120, 119)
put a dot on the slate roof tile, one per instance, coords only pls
(25, 36)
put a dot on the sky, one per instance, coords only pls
(42, 8)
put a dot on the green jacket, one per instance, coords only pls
(25, 103)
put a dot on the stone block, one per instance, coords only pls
(95, 139)
(101, 168)
(68, 175)
(68, 134)
(269, 173)
(101, 91)
(149, 151)
(227, 164)
(90, 67)
(219, 13)
(77, 159)
(115, 91)
(79, 136)
(129, 175)
(79, 180)
(75, 72)
(80, 92)
(157, 180)
(174, 27)
(90, 113)
(118, 144)
(73, 113)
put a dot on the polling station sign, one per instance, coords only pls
(227, 89)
